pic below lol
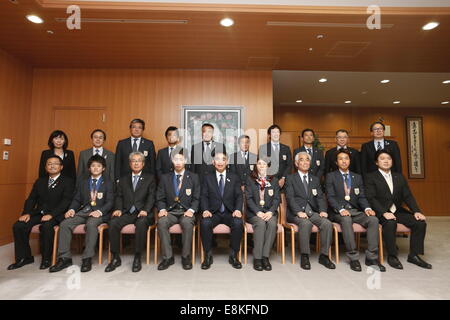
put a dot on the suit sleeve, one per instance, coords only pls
(152, 159)
(238, 195)
(159, 165)
(118, 204)
(252, 208)
(80, 164)
(77, 200)
(328, 162)
(290, 196)
(397, 158)
(118, 161)
(71, 170)
(204, 201)
(195, 204)
(321, 198)
(161, 199)
(276, 197)
(362, 199)
(371, 192)
(288, 169)
(357, 161)
(42, 172)
(408, 197)
(331, 193)
(364, 159)
(192, 159)
(321, 168)
(66, 198)
(149, 204)
(109, 203)
(111, 167)
(32, 199)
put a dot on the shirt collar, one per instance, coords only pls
(55, 178)
(339, 147)
(96, 178)
(342, 172)
(182, 173)
(136, 174)
(99, 149)
(224, 173)
(138, 139)
(384, 173)
(303, 174)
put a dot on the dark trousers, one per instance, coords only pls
(21, 231)
(418, 231)
(208, 224)
(117, 223)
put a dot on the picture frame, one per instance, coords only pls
(416, 160)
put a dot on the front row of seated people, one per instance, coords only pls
(181, 199)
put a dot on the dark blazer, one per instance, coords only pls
(189, 195)
(330, 160)
(68, 163)
(164, 163)
(104, 201)
(84, 157)
(368, 154)
(143, 198)
(317, 167)
(54, 200)
(271, 197)
(242, 167)
(336, 192)
(297, 199)
(380, 196)
(197, 163)
(232, 195)
(284, 167)
(123, 150)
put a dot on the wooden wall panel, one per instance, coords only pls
(153, 95)
(431, 192)
(15, 95)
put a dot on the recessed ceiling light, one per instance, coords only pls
(35, 19)
(14, 1)
(320, 36)
(385, 81)
(310, 49)
(444, 102)
(226, 22)
(323, 80)
(299, 101)
(396, 102)
(50, 32)
(446, 81)
(348, 101)
(430, 25)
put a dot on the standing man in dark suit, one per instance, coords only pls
(91, 205)
(134, 203)
(178, 199)
(46, 204)
(341, 143)
(221, 202)
(317, 167)
(98, 137)
(345, 193)
(134, 144)
(279, 155)
(243, 161)
(307, 207)
(369, 149)
(202, 152)
(163, 159)
(387, 191)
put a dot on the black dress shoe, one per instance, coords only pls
(115, 262)
(45, 264)
(186, 263)
(375, 263)
(206, 264)
(20, 263)
(325, 261)
(266, 264)
(234, 262)
(304, 262)
(419, 262)
(61, 264)
(355, 265)
(137, 265)
(86, 265)
(257, 265)
(166, 263)
(394, 262)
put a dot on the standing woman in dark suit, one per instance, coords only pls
(58, 143)
(263, 197)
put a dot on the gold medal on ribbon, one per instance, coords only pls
(261, 202)
(93, 203)
(176, 199)
(347, 198)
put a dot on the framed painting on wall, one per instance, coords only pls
(416, 161)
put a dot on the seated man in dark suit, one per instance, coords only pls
(341, 143)
(387, 191)
(221, 202)
(178, 199)
(243, 162)
(134, 203)
(369, 149)
(317, 167)
(307, 207)
(345, 193)
(91, 205)
(46, 204)
(163, 159)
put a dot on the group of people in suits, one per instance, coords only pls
(210, 186)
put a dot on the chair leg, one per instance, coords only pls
(193, 245)
(358, 240)
(156, 246)
(336, 244)
(245, 245)
(202, 253)
(240, 251)
(318, 242)
(380, 244)
(55, 246)
(293, 246)
(283, 253)
(148, 246)
(100, 246)
(109, 252)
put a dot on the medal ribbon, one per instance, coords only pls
(94, 189)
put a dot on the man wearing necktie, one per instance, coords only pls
(221, 203)
(91, 205)
(163, 159)
(345, 194)
(387, 191)
(98, 137)
(342, 143)
(243, 161)
(135, 199)
(378, 143)
(177, 200)
(45, 206)
(317, 167)
(136, 143)
(307, 207)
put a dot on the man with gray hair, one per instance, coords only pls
(307, 207)
(134, 202)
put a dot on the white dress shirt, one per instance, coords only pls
(100, 151)
(388, 178)
(138, 142)
(375, 142)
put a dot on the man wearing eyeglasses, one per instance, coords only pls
(378, 142)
